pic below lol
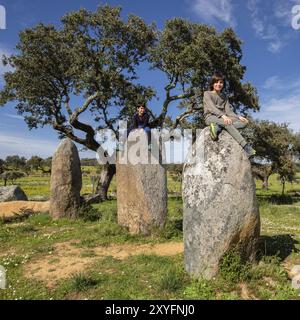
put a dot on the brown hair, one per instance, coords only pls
(215, 78)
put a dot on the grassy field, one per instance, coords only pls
(98, 259)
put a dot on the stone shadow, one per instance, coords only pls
(278, 199)
(280, 245)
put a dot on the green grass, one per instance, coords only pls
(148, 276)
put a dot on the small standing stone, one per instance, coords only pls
(141, 193)
(66, 181)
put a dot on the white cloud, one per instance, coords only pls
(284, 104)
(275, 83)
(272, 22)
(213, 10)
(11, 144)
(283, 11)
(281, 101)
(272, 82)
(13, 116)
(25, 146)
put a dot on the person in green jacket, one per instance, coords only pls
(218, 114)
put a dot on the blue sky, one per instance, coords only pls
(271, 53)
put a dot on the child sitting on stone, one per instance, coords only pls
(219, 114)
(140, 121)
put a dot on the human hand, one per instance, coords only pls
(243, 119)
(226, 119)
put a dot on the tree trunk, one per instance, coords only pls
(106, 176)
(283, 185)
(265, 184)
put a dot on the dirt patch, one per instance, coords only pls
(245, 292)
(67, 259)
(9, 209)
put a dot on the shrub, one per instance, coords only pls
(232, 268)
(88, 213)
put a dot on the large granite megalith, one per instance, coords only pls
(219, 205)
(141, 189)
(66, 181)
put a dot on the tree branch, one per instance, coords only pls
(68, 132)
(182, 116)
(90, 142)
(160, 119)
(67, 105)
(88, 101)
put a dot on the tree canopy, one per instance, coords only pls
(94, 57)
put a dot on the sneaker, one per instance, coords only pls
(250, 152)
(214, 131)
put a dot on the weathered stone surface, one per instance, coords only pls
(141, 194)
(12, 193)
(66, 181)
(219, 204)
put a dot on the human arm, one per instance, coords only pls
(229, 110)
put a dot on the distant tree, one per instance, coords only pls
(2, 166)
(262, 172)
(38, 163)
(11, 176)
(175, 171)
(286, 171)
(89, 162)
(15, 162)
(275, 145)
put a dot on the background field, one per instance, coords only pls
(98, 259)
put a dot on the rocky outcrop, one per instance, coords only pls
(12, 193)
(219, 204)
(66, 181)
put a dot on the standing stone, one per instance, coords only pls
(141, 193)
(219, 204)
(66, 181)
(12, 193)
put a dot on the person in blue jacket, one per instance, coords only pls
(140, 120)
